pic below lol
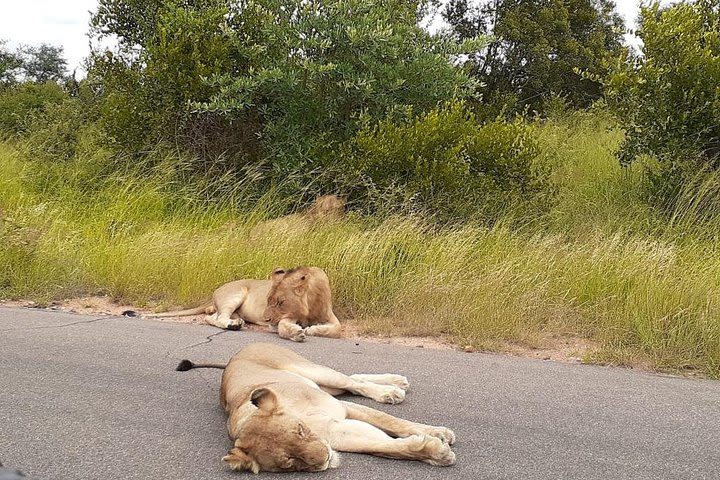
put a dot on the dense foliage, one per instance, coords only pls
(540, 49)
(354, 97)
(32, 78)
(19, 103)
(444, 164)
(668, 98)
(272, 79)
(31, 63)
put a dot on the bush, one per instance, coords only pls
(167, 50)
(445, 164)
(667, 99)
(53, 133)
(56, 131)
(294, 79)
(19, 103)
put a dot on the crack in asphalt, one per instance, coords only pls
(208, 339)
(43, 327)
(212, 385)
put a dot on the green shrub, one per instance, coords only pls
(167, 50)
(53, 132)
(446, 164)
(293, 80)
(19, 103)
(667, 99)
(58, 131)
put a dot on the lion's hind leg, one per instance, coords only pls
(225, 316)
(383, 379)
(229, 322)
(336, 383)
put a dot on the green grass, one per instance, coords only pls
(601, 265)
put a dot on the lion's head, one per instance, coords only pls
(327, 206)
(274, 441)
(300, 294)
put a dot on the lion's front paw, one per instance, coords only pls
(235, 324)
(399, 381)
(433, 450)
(444, 434)
(298, 336)
(392, 395)
(442, 456)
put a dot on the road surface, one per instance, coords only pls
(98, 398)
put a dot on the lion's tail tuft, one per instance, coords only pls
(184, 366)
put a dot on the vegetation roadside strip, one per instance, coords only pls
(598, 266)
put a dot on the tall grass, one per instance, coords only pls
(600, 265)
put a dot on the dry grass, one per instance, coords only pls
(600, 266)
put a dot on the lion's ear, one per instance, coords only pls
(301, 285)
(265, 399)
(239, 460)
(277, 273)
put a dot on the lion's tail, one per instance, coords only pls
(186, 365)
(207, 309)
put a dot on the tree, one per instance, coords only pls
(166, 50)
(291, 79)
(667, 98)
(42, 63)
(9, 62)
(541, 48)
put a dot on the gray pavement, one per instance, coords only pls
(98, 398)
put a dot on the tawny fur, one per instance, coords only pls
(282, 415)
(327, 208)
(295, 302)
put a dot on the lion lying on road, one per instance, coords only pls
(282, 415)
(296, 302)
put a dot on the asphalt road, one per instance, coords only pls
(98, 398)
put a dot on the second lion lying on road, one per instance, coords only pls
(296, 302)
(283, 416)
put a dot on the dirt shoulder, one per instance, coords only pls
(559, 349)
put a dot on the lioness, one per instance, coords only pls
(282, 415)
(295, 302)
(326, 208)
